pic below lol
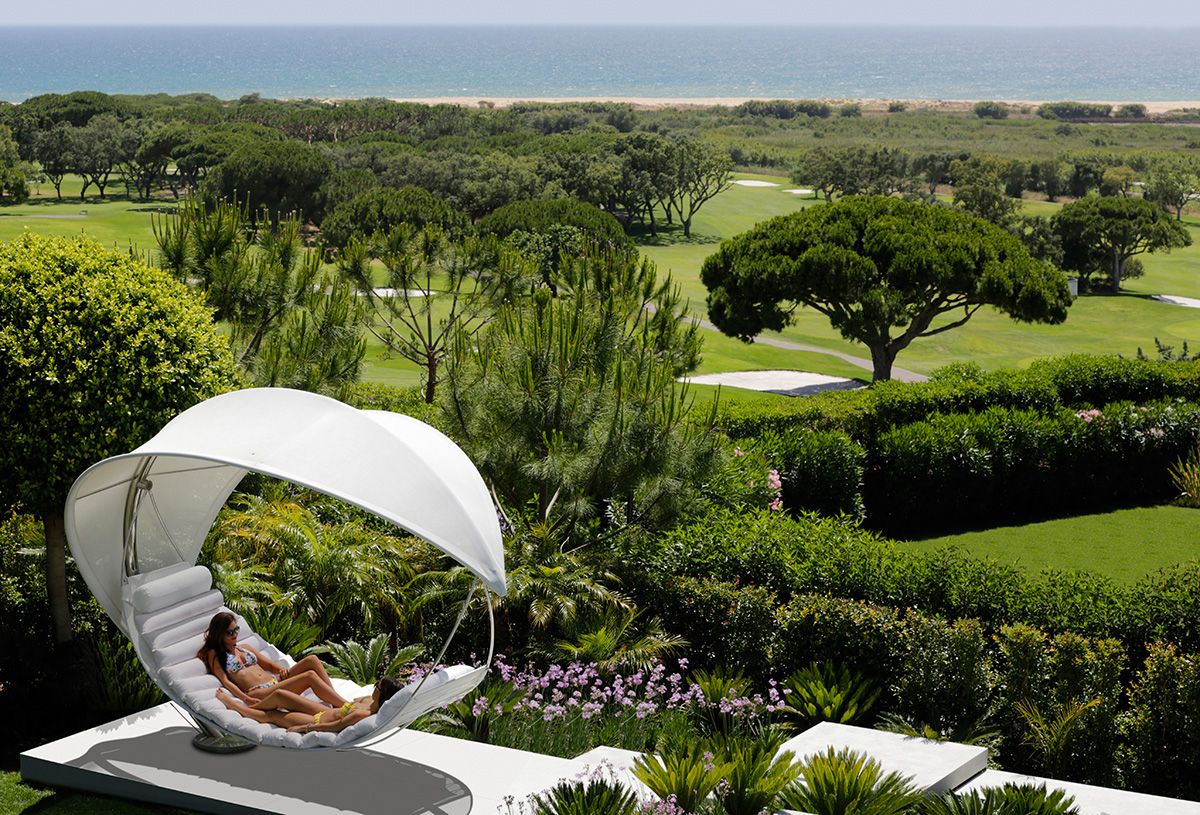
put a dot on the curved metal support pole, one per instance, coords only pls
(138, 486)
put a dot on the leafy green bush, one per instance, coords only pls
(945, 678)
(723, 623)
(542, 214)
(821, 471)
(1074, 110)
(816, 628)
(1162, 727)
(963, 470)
(991, 110)
(380, 210)
(1055, 677)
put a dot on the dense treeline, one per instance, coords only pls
(645, 166)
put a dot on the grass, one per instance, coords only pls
(1124, 545)
(18, 798)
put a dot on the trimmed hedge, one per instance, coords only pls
(1075, 381)
(790, 557)
(960, 470)
(821, 471)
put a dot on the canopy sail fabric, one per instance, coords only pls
(172, 487)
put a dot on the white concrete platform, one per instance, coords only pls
(1092, 800)
(149, 757)
(936, 766)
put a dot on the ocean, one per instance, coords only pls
(664, 62)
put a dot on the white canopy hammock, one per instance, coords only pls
(136, 523)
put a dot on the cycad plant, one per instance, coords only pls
(1185, 475)
(719, 688)
(843, 781)
(473, 714)
(1015, 799)
(615, 641)
(284, 630)
(981, 732)
(597, 796)
(757, 773)
(366, 664)
(1050, 736)
(689, 774)
(825, 693)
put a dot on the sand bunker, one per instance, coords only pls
(750, 182)
(788, 383)
(1186, 302)
(800, 192)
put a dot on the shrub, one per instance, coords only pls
(1074, 110)
(783, 108)
(1056, 676)
(1131, 111)
(1162, 727)
(409, 401)
(816, 628)
(821, 471)
(593, 796)
(945, 679)
(724, 624)
(758, 773)
(991, 110)
(850, 110)
(896, 107)
(686, 776)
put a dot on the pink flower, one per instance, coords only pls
(738, 452)
(773, 480)
(776, 505)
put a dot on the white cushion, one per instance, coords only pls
(157, 593)
(205, 605)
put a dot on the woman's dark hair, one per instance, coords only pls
(388, 686)
(214, 638)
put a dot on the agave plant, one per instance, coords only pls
(596, 796)
(474, 713)
(838, 782)
(689, 775)
(824, 693)
(366, 664)
(1013, 799)
(758, 772)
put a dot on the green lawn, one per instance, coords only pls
(17, 798)
(1124, 545)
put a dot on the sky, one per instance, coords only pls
(1172, 13)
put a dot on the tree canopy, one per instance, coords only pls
(376, 212)
(1106, 232)
(883, 270)
(97, 352)
(278, 176)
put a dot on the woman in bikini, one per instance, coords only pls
(255, 680)
(324, 720)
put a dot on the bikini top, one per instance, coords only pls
(233, 664)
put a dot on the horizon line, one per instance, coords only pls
(597, 24)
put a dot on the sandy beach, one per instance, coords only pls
(650, 103)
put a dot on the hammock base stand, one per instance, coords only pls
(221, 744)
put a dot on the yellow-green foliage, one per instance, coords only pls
(97, 351)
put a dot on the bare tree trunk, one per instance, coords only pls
(56, 576)
(1118, 268)
(431, 367)
(882, 358)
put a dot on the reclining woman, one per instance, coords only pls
(321, 721)
(254, 679)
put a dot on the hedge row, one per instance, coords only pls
(1077, 381)
(961, 680)
(1003, 465)
(809, 554)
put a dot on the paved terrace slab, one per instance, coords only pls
(1092, 800)
(149, 757)
(936, 766)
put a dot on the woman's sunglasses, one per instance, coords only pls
(233, 632)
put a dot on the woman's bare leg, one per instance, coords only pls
(288, 700)
(314, 664)
(273, 716)
(301, 682)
